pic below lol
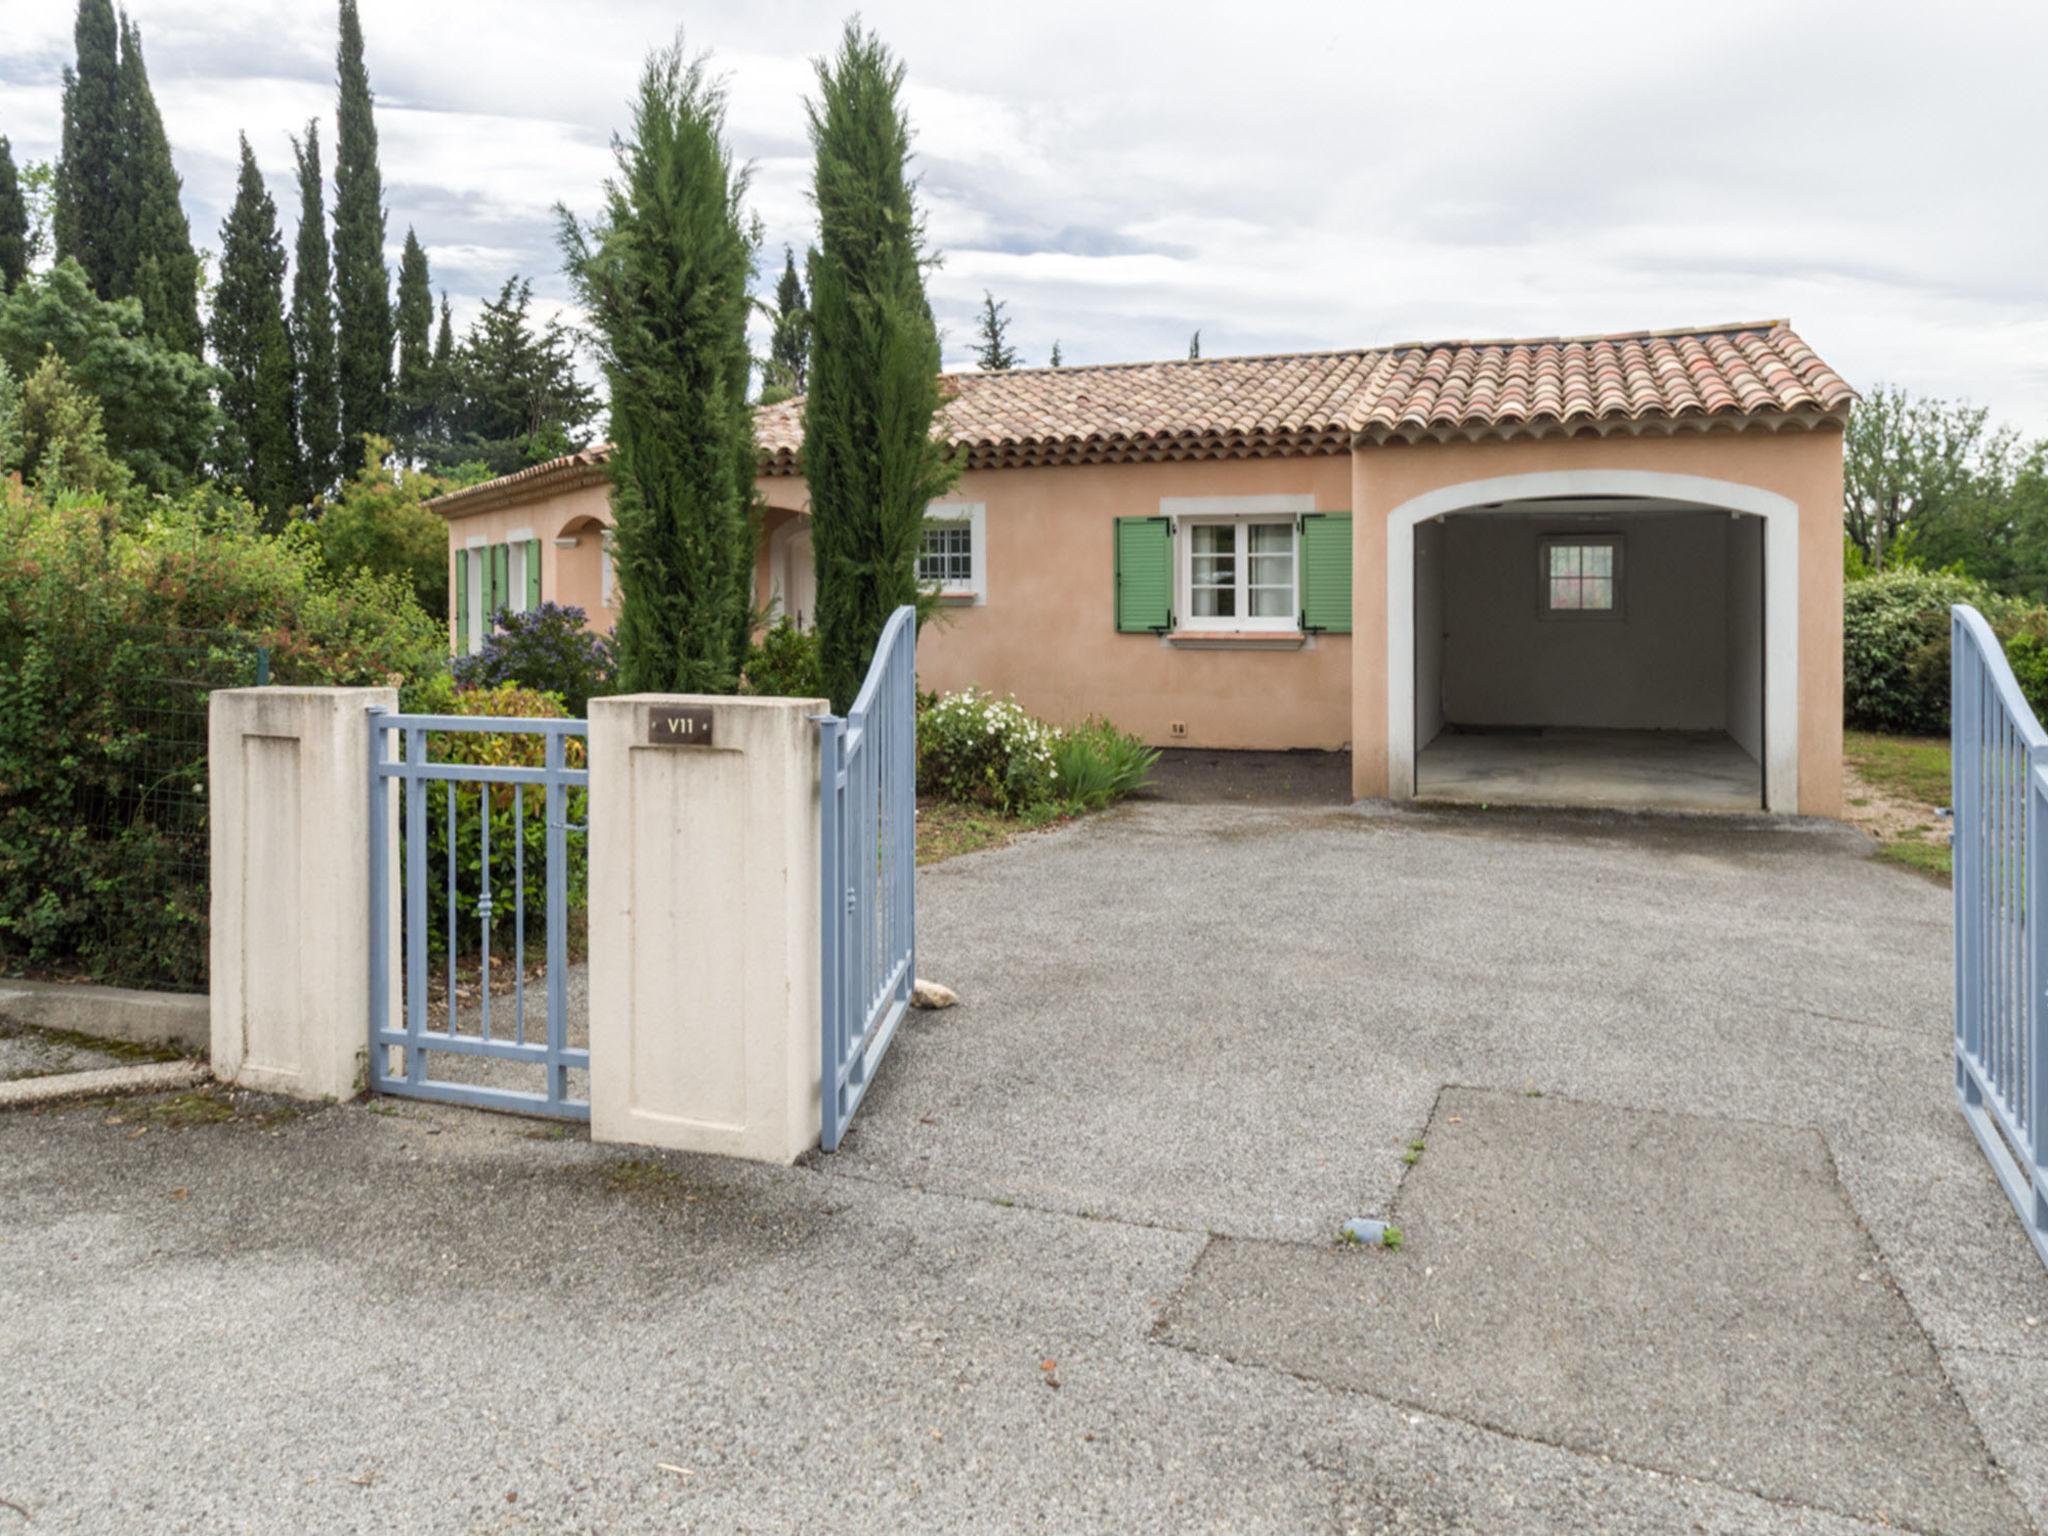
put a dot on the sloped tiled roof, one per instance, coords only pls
(1314, 402)
(1704, 379)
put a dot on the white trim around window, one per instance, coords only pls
(959, 573)
(1237, 562)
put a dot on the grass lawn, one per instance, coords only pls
(945, 828)
(1895, 786)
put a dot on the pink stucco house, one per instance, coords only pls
(1603, 568)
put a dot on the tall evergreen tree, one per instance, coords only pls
(1055, 360)
(515, 396)
(13, 222)
(1194, 346)
(362, 287)
(789, 349)
(252, 350)
(994, 354)
(445, 382)
(312, 330)
(665, 274)
(160, 266)
(869, 456)
(413, 399)
(87, 222)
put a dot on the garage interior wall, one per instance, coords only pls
(1662, 665)
(1429, 633)
(1745, 642)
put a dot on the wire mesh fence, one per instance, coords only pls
(136, 851)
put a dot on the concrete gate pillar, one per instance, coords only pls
(289, 810)
(704, 870)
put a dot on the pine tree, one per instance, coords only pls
(413, 399)
(252, 350)
(869, 457)
(789, 349)
(665, 275)
(13, 222)
(516, 396)
(160, 266)
(994, 354)
(312, 330)
(362, 288)
(87, 222)
(1194, 346)
(1055, 361)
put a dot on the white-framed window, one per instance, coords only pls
(1237, 561)
(607, 585)
(521, 545)
(1579, 576)
(953, 554)
(478, 555)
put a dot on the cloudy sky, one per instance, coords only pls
(1122, 174)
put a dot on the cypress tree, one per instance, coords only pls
(1055, 360)
(13, 222)
(312, 330)
(1194, 346)
(868, 456)
(994, 354)
(447, 385)
(362, 291)
(87, 221)
(665, 275)
(789, 349)
(160, 267)
(413, 405)
(251, 349)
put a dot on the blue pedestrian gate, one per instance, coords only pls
(868, 889)
(1999, 799)
(473, 925)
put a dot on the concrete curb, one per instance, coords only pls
(110, 1013)
(150, 1077)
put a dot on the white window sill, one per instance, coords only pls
(1236, 639)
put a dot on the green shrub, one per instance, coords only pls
(1099, 764)
(783, 663)
(976, 748)
(110, 640)
(1895, 645)
(551, 650)
(518, 815)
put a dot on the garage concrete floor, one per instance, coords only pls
(1628, 770)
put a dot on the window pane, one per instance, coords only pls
(1599, 593)
(1564, 593)
(1599, 560)
(1214, 602)
(1564, 560)
(946, 555)
(1272, 538)
(1215, 539)
(1273, 602)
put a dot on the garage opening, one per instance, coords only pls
(1591, 651)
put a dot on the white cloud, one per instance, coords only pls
(1122, 175)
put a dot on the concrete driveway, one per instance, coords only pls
(1695, 1238)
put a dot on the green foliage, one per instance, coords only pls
(511, 822)
(508, 396)
(1099, 764)
(783, 663)
(88, 220)
(317, 405)
(1194, 346)
(259, 447)
(14, 221)
(1055, 360)
(869, 457)
(977, 748)
(413, 407)
(789, 347)
(159, 412)
(59, 442)
(362, 288)
(380, 522)
(551, 649)
(159, 267)
(110, 638)
(665, 275)
(1895, 645)
(993, 352)
(10, 422)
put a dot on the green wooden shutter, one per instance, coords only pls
(532, 574)
(1144, 574)
(462, 602)
(1326, 572)
(501, 582)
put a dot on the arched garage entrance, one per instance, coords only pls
(1613, 638)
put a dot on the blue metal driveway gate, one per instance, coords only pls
(485, 860)
(868, 889)
(1999, 799)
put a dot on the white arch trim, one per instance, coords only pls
(1781, 597)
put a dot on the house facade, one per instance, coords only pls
(1597, 569)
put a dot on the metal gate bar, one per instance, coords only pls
(405, 774)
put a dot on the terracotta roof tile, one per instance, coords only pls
(1318, 402)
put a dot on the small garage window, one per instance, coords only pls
(1580, 577)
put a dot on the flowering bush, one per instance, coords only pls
(550, 650)
(975, 747)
